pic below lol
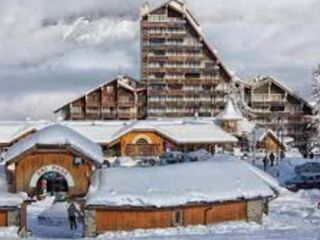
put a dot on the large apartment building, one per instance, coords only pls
(121, 98)
(183, 73)
(182, 76)
(276, 106)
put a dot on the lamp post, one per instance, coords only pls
(280, 136)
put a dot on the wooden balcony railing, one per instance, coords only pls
(268, 98)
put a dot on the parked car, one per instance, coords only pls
(303, 182)
(173, 157)
(309, 167)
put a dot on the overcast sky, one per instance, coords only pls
(54, 50)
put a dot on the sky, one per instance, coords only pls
(53, 51)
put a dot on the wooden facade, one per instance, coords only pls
(122, 98)
(31, 165)
(184, 75)
(3, 218)
(276, 107)
(142, 143)
(145, 143)
(271, 144)
(131, 218)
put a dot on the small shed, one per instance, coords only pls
(53, 160)
(213, 191)
(230, 116)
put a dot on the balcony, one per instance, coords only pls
(77, 115)
(126, 103)
(93, 103)
(108, 115)
(142, 150)
(268, 98)
(125, 115)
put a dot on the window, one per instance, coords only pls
(177, 218)
(142, 141)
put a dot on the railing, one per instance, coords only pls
(125, 115)
(163, 18)
(126, 103)
(268, 98)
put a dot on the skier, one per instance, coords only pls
(72, 214)
(272, 157)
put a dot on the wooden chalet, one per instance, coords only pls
(54, 160)
(121, 98)
(125, 199)
(275, 106)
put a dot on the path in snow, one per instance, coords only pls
(54, 223)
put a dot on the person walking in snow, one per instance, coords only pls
(73, 212)
(272, 157)
(265, 162)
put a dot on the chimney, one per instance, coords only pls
(145, 8)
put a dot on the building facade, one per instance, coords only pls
(183, 73)
(121, 98)
(275, 106)
(56, 160)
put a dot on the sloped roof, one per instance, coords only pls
(181, 6)
(121, 80)
(171, 185)
(230, 112)
(258, 81)
(179, 131)
(56, 135)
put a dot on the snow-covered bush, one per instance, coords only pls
(125, 162)
(199, 155)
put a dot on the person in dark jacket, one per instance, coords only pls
(73, 212)
(272, 157)
(265, 162)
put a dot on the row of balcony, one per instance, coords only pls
(268, 98)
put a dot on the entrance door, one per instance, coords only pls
(52, 184)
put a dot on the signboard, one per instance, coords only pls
(51, 168)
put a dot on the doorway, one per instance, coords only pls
(52, 184)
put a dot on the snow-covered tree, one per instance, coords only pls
(315, 125)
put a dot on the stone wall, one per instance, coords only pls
(255, 209)
(89, 223)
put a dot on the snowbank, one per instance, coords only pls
(56, 135)
(219, 179)
(9, 199)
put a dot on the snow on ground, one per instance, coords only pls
(53, 220)
(9, 233)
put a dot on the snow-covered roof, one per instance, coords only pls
(230, 112)
(222, 178)
(56, 135)
(258, 81)
(178, 130)
(10, 131)
(8, 199)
